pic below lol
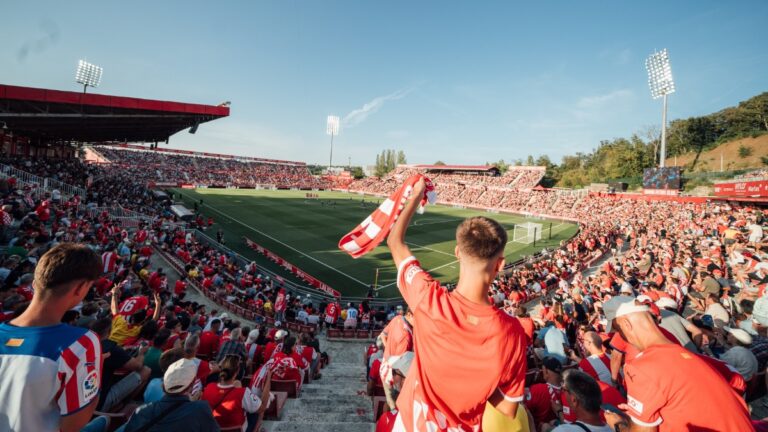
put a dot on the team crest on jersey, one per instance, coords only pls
(411, 273)
(635, 404)
(91, 385)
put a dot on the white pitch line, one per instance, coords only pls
(429, 222)
(286, 245)
(452, 262)
(428, 248)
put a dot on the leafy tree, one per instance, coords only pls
(439, 163)
(401, 160)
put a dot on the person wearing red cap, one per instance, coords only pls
(668, 387)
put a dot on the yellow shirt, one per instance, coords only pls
(495, 421)
(121, 330)
(343, 314)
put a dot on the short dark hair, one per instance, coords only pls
(481, 237)
(64, 264)
(100, 327)
(584, 389)
(161, 337)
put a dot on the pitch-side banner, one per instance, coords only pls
(301, 274)
(753, 189)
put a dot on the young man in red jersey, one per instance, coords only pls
(467, 352)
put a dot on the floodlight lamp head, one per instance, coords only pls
(332, 126)
(88, 74)
(660, 79)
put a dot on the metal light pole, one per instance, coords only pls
(89, 75)
(332, 128)
(661, 84)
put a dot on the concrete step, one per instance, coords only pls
(339, 389)
(319, 427)
(329, 404)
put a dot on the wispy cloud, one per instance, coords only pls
(596, 101)
(359, 115)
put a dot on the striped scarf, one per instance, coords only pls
(375, 228)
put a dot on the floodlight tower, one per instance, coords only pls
(661, 83)
(89, 75)
(332, 128)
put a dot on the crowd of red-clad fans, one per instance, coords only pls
(512, 191)
(156, 346)
(669, 330)
(159, 167)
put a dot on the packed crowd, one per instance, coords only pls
(512, 191)
(677, 273)
(668, 333)
(74, 277)
(156, 166)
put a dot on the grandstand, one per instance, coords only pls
(660, 247)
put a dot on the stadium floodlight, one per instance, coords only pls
(661, 84)
(89, 75)
(332, 128)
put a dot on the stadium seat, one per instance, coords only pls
(375, 334)
(291, 388)
(379, 406)
(333, 333)
(292, 326)
(363, 334)
(348, 333)
(307, 377)
(275, 409)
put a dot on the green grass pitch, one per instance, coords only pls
(306, 233)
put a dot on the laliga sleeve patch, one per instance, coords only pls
(412, 271)
(635, 404)
(90, 385)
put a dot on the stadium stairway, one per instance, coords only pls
(337, 401)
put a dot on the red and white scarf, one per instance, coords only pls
(375, 228)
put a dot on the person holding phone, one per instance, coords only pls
(584, 399)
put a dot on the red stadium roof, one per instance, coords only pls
(53, 115)
(457, 167)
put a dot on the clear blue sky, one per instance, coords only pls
(464, 82)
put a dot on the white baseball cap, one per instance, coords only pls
(280, 334)
(619, 306)
(666, 302)
(740, 335)
(179, 376)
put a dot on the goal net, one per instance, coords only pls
(527, 232)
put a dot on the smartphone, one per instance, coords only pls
(612, 408)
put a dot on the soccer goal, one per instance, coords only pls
(527, 232)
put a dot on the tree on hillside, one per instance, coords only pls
(387, 160)
(439, 163)
(529, 161)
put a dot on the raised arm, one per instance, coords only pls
(396, 239)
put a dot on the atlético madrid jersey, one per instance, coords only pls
(46, 373)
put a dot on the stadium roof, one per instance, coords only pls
(457, 167)
(53, 115)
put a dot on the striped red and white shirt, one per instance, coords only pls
(598, 367)
(46, 373)
(109, 261)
